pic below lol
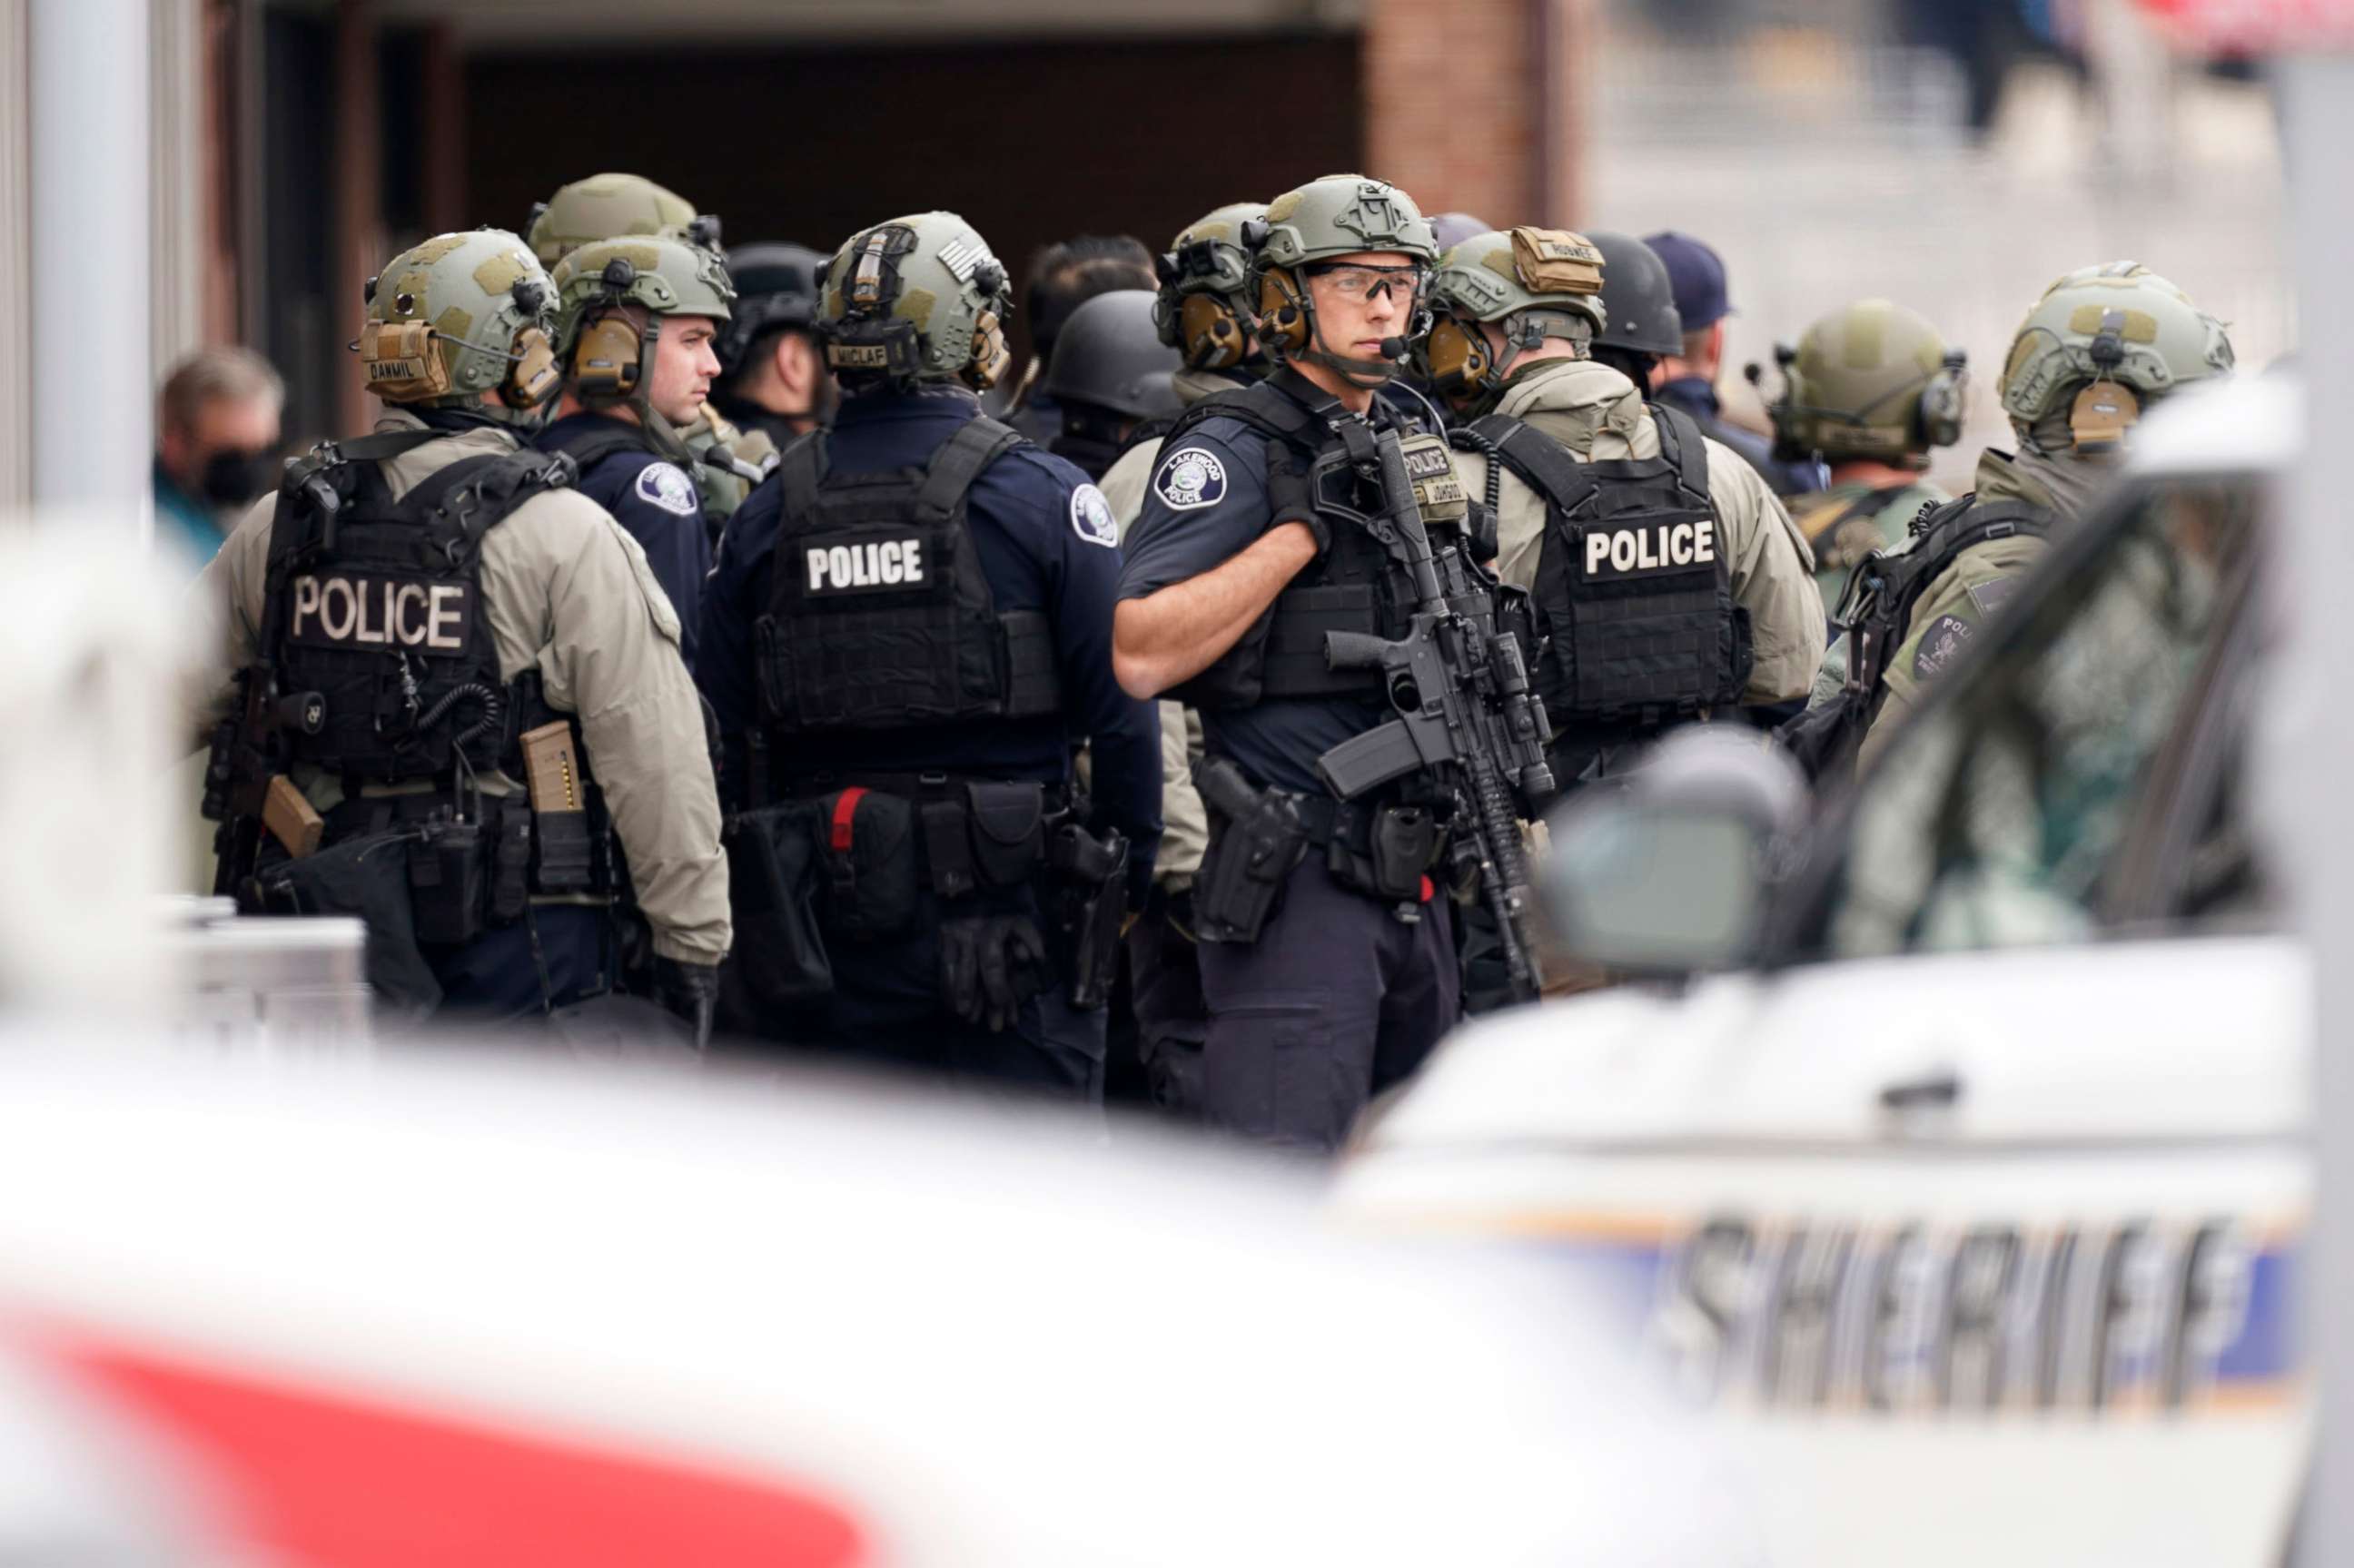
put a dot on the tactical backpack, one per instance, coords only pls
(1876, 612)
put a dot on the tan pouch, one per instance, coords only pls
(1556, 261)
(402, 366)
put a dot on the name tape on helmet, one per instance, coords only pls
(363, 610)
(1191, 478)
(1647, 549)
(865, 565)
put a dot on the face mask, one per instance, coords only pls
(234, 478)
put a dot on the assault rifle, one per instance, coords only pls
(1465, 712)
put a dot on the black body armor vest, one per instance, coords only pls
(376, 617)
(1632, 581)
(879, 614)
(1353, 587)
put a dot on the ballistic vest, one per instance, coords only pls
(376, 623)
(880, 616)
(1353, 587)
(1632, 582)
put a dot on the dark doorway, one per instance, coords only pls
(1031, 142)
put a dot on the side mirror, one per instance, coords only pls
(1669, 868)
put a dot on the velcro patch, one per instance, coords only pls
(1940, 645)
(865, 565)
(1646, 549)
(1191, 478)
(1993, 594)
(1092, 519)
(667, 486)
(365, 610)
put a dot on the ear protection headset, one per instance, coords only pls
(2104, 409)
(608, 360)
(402, 366)
(1202, 326)
(1456, 359)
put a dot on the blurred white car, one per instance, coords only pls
(1954, 1150)
(369, 1312)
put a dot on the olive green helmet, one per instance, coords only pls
(1203, 308)
(608, 358)
(1534, 283)
(917, 298)
(1338, 215)
(1875, 380)
(608, 206)
(2119, 325)
(460, 316)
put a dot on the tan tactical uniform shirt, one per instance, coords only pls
(1185, 821)
(1848, 521)
(1953, 607)
(1597, 414)
(568, 592)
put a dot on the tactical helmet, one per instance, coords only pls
(460, 316)
(921, 298)
(2117, 326)
(1875, 380)
(609, 206)
(1338, 215)
(1449, 229)
(1535, 283)
(1110, 355)
(1639, 302)
(776, 288)
(1203, 308)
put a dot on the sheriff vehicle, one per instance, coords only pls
(1949, 1141)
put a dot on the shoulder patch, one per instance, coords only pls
(1192, 477)
(1940, 645)
(1991, 595)
(667, 487)
(1091, 517)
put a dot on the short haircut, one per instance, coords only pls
(1696, 342)
(1069, 273)
(219, 372)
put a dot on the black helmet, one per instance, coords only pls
(776, 286)
(1109, 355)
(1638, 305)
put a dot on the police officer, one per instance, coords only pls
(774, 383)
(458, 672)
(2101, 345)
(1867, 392)
(615, 206)
(1687, 376)
(909, 627)
(637, 321)
(1063, 277)
(1327, 964)
(1728, 616)
(1111, 374)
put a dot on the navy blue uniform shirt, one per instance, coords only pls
(1694, 396)
(1206, 503)
(1046, 542)
(656, 501)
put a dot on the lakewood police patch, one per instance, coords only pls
(664, 484)
(1091, 517)
(1192, 478)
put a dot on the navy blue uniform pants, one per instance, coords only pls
(496, 978)
(1336, 1002)
(1165, 994)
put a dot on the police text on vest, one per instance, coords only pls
(1648, 548)
(352, 611)
(894, 563)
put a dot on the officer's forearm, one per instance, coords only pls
(1170, 637)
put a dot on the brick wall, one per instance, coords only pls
(1451, 104)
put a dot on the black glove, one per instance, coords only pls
(1291, 495)
(690, 990)
(991, 965)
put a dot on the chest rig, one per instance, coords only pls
(880, 616)
(1321, 457)
(1632, 581)
(376, 612)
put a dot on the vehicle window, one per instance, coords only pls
(1994, 819)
